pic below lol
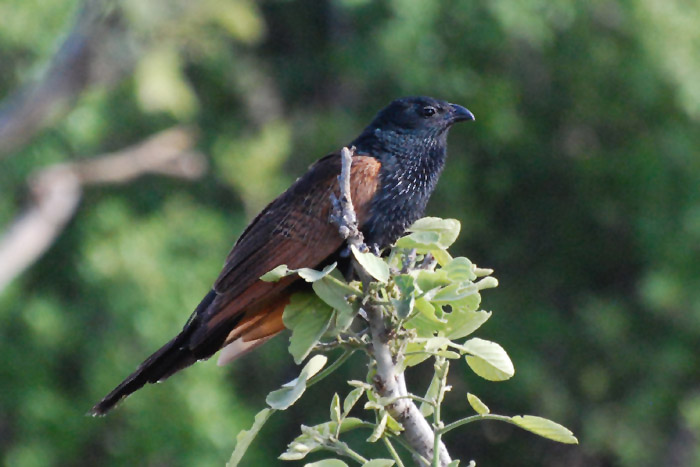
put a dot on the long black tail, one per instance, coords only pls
(169, 359)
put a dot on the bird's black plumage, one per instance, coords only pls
(398, 160)
(409, 137)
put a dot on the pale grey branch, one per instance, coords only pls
(389, 381)
(56, 192)
(343, 213)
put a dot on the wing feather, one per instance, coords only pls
(294, 230)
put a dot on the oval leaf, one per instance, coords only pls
(379, 429)
(290, 392)
(447, 229)
(460, 269)
(488, 360)
(308, 318)
(276, 274)
(374, 265)
(478, 406)
(545, 428)
(424, 240)
(351, 399)
(312, 275)
(461, 322)
(333, 292)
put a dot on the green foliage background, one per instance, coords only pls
(578, 183)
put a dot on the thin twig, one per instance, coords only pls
(330, 369)
(392, 451)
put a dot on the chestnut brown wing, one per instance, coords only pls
(293, 230)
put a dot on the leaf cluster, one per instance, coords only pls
(430, 301)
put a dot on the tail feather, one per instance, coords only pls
(166, 361)
(169, 359)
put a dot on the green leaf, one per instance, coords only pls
(373, 405)
(276, 274)
(447, 354)
(308, 318)
(290, 392)
(327, 463)
(415, 359)
(312, 275)
(404, 305)
(447, 229)
(360, 384)
(335, 408)
(429, 280)
(481, 272)
(487, 283)
(460, 269)
(379, 429)
(308, 274)
(429, 311)
(374, 265)
(453, 293)
(351, 399)
(442, 256)
(461, 322)
(425, 323)
(246, 437)
(333, 292)
(431, 394)
(436, 343)
(545, 428)
(306, 442)
(393, 425)
(379, 463)
(478, 406)
(488, 360)
(404, 282)
(419, 240)
(455, 463)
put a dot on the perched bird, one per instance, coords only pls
(397, 161)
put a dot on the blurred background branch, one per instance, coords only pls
(55, 192)
(95, 52)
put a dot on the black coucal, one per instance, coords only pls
(397, 161)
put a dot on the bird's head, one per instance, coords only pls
(413, 118)
(420, 114)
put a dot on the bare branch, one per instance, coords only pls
(343, 213)
(391, 384)
(389, 381)
(56, 192)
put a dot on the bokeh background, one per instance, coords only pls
(579, 183)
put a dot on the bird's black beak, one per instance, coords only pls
(460, 114)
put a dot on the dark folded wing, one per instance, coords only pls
(293, 230)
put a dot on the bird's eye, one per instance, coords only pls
(428, 111)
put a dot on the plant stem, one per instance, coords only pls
(392, 451)
(343, 449)
(418, 456)
(474, 418)
(330, 369)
